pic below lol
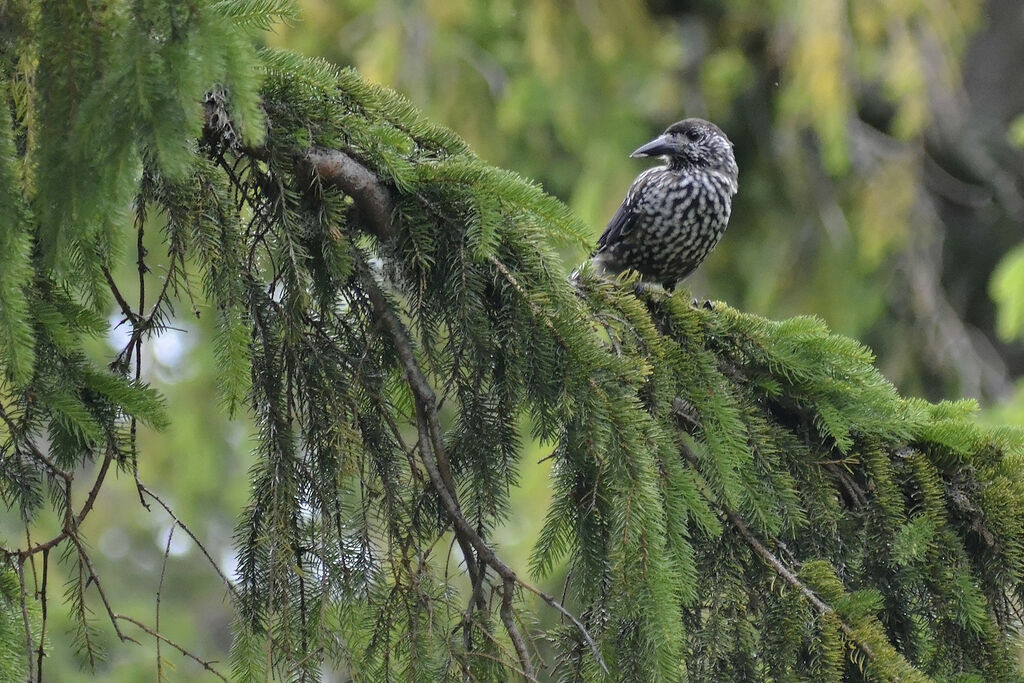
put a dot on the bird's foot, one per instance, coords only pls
(707, 305)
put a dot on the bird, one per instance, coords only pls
(674, 214)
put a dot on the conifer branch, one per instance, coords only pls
(776, 564)
(41, 595)
(71, 521)
(357, 181)
(729, 359)
(434, 456)
(507, 592)
(90, 499)
(373, 199)
(159, 590)
(94, 579)
(375, 202)
(122, 303)
(34, 451)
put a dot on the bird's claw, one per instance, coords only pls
(707, 305)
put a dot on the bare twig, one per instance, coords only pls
(206, 664)
(90, 499)
(24, 617)
(195, 539)
(122, 303)
(42, 628)
(137, 335)
(159, 589)
(507, 618)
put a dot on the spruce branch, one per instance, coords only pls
(126, 309)
(769, 558)
(159, 590)
(71, 521)
(371, 195)
(430, 433)
(507, 593)
(94, 579)
(41, 594)
(34, 451)
(450, 238)
(375, 200)
(435, 461)
(776, 564)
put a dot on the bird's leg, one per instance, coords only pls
(639, 287)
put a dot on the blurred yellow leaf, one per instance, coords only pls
(1007, 290)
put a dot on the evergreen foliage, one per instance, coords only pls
(733, 498)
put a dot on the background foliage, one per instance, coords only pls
(880, 190)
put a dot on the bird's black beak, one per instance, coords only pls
(657, 147)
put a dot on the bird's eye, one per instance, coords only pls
(693, 135)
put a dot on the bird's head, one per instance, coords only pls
(694, 143)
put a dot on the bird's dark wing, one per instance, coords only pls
(625, 218)
(621, 222)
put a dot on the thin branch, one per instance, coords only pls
(95, 580)
(90, 499)
(507, 618)
(195, 539)
(434, 457)
(857, 496)
(141, 262)
(550, 600)
(820, 605)
(206, 664)
(33, 450)
(122, 303)
(24, 617)
(432, 444)
(159, 589)
(42, 629)
(71, 522)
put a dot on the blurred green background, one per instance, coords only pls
(881, 188)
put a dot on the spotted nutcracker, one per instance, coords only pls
(675, 214)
